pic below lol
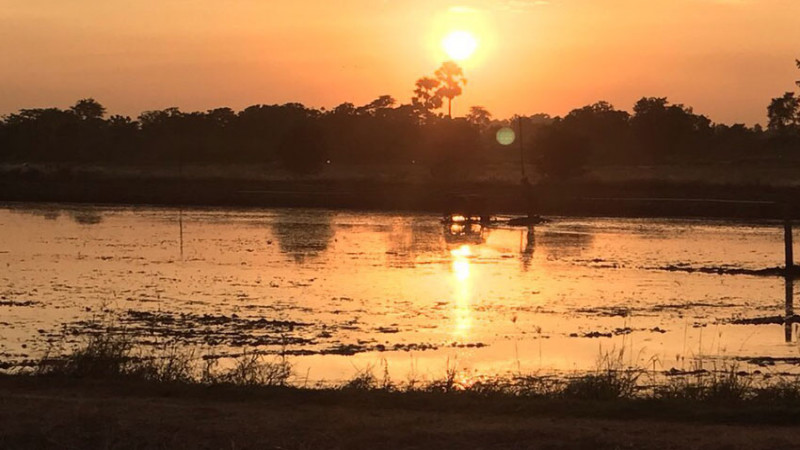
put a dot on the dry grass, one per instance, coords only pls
(113, 357)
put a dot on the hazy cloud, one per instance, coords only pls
(520, 5)
(503, 5)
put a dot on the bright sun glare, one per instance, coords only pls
(460, 45)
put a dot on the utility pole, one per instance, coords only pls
(789, 272)
(521, 148)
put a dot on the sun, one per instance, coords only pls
(460, 45)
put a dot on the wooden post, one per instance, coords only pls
(788, 275)
(180, 225)
(788, 247)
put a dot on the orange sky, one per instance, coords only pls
(726, 58)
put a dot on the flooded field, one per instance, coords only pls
(341, 291)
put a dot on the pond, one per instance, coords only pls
(338, 292)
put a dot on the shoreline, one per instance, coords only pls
(621, 199)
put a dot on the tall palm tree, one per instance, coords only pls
(452, 80)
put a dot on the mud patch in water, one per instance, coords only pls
(768, 361)
(768, 320)
(722, 270)
(261, 335)
(201, 329)
(616, 332)
(655, 310)
(24, 303)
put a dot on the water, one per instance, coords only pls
(342, 291)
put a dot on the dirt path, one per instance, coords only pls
(83, 416)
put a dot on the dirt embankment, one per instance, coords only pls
(585, 198)
(36, 413)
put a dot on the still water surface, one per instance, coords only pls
(341, 291)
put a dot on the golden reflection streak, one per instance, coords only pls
(463, 291)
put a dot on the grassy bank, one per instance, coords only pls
(606, 194)
(108, 394)
(126, 415)
(116, 357)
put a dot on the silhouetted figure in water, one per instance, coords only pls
(530, 245)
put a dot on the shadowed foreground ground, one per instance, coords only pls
(74, 414)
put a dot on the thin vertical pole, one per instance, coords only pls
(180, 224)
(787, 323)
(788, 247)
(182, 190)
(521, 147)
(788, 276)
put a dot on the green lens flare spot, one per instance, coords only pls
(506, 136)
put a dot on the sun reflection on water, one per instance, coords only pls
(462, 290)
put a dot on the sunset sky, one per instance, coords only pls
(726, 58)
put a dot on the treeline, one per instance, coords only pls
(302, 139)
(657, 132)
(305, 140)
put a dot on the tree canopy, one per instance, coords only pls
(384, 131)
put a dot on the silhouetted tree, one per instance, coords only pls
(784, 122)
(376, 132)
(426, 97)
(736, 140)
(221, 117)
(262, 129)
(797, 61)
(304, 149)
(124, 139)
(345, 109)
(42, 134)
(451, 79)
(451, 147)
(784, 112)
(479, 116)
(377, 107)
(88, 109)
(664, 131)
(560, 154)
(604, 129)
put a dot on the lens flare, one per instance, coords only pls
(506, 136)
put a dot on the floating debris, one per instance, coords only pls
(769, 320)
(769, 361)
(14, 303)
(767, 272)
(387, 330)
(606, 311)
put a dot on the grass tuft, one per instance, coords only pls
(611, 385)
(250, 369)
(103, 356)
(366, 380)
(728, 385)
